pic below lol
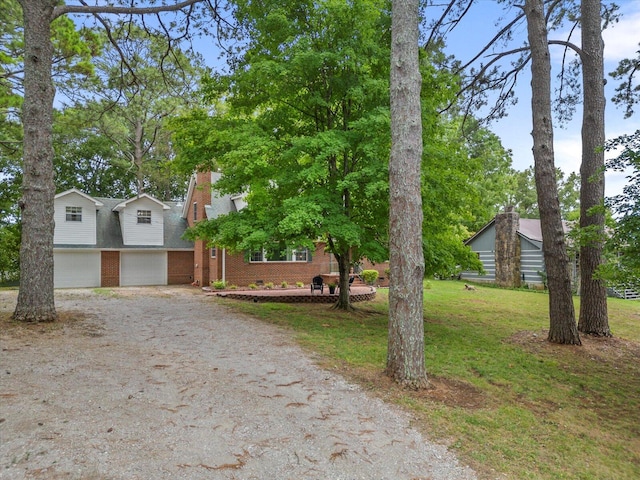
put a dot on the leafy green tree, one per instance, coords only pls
(305, 131)
(623, 247)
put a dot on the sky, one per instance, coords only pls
(621, 41)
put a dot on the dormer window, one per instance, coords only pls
(144, 216)
(74, 214)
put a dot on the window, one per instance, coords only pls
(144, 216)
(195, 211)
(278, 254)
(74, 214)
(213, 252)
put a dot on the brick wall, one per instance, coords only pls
(110, 269)
(241, 272)
(180, 268)
(201, 196)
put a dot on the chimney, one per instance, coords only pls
(507, 248)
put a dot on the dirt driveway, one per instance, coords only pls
(163, 383)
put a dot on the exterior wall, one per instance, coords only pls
(74, 233)
(239, 271)
(532, 262)
(134, 233)
(484, 245)
(180, 268)
(110, 274)
(201, 196)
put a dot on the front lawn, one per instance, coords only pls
(509, 403)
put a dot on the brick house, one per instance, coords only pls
(251, 267)
(107, 242)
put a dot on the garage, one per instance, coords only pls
(143, 268)
(73, 269)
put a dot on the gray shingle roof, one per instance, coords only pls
(109, 233)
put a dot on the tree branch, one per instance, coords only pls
(86, 9)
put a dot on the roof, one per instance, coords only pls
(78, 192)
(529, 228)
(123, 204)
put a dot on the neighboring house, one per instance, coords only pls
(510, 249)
(106, 242)
(260, 267)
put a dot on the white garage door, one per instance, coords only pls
(143, 268)
(76, 269)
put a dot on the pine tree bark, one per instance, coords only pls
(594, 319)
(35, 298)
(405, 355)
(562, 323)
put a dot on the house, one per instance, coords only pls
(106, 242)
(261, 267)
(510, 249)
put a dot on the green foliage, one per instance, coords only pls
(284, 284)
(370, 276)
(304, 131)
(623, 247)
(114, 141)
(299, 284)
(219, 284)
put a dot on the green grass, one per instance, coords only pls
(506, 401)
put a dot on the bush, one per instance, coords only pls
(253, 286)
(284, 284)
(268, 285)
(370, 276)
(219, 284)
(299, 284)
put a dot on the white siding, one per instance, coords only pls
(75, 268)
(143, 268)
(74, 233)
(134, 233)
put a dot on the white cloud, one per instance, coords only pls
(621, 39)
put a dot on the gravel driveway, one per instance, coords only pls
(164, 383)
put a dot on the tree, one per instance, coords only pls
(35, 299)
(117, 127)
(623, 268)
(301, 132)
(562, 325)
(405, 352)
(594, 319)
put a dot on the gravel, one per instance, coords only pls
(164, 383)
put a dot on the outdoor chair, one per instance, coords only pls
(317, 284)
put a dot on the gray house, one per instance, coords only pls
(510, 249)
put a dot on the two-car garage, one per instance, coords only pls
(83, 268)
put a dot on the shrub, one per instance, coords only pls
(253, 286)
(268, 285)
(284, 284)
(233, 287)
(369, 276)
(299, 284)
(219, 284)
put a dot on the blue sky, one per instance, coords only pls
(621, 41)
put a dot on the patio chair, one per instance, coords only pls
(317, 284)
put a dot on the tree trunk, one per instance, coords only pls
(593, 293)
(562, 323)
(344, 261)
(35, 298)
(405, 355)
